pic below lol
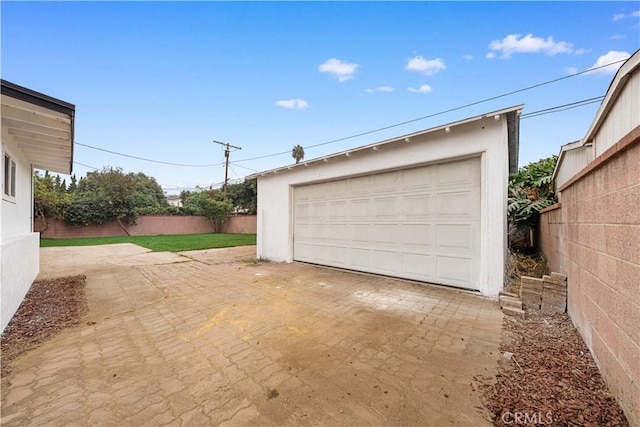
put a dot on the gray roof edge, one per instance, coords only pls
(31, 96)
(22, 93)
(515, 110)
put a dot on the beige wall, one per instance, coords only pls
(593, 236)
(150, 226)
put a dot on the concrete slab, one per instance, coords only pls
(222, 340)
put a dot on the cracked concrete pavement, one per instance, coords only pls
(212, 338)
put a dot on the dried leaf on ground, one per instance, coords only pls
(555, 377)
(48, 307)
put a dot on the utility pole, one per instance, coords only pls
(226, 165)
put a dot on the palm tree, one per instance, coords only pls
(297, 153)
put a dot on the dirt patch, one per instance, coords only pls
(49, 306)
(550, 379)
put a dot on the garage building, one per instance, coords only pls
(428, 206)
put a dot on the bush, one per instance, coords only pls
(530, 191)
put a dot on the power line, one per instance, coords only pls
(492, 98)
(147, 160)
(86, 166)
(562, 107)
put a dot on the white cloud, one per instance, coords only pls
(570, 70)
(515, 43)
(421, 89)
(467, 57)
(609, 58)
(380, 89)
(425, 66)
(342, 71)
(292, 104)
(491, 55)
(617, 37)
(621, 16)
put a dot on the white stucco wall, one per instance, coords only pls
(486, 137)
(19, 246)
(20, 257)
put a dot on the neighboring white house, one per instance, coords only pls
(174, 200)
(37, 132)
(429, 206)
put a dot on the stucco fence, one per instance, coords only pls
(150, 226)
(593, 236)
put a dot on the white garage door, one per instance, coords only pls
(421, 223)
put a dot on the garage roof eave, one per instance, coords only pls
(510, 113)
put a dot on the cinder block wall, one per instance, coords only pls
(245, 224)
(593, 236)
(150, 226)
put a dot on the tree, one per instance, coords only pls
(48, 199)
(73, 185)
(244, 196)
(148, 193)
(104, 196)
(208, 205)
(297, 153)
(530, 191)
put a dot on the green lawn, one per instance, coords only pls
(183, 242)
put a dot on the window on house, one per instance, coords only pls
(9, 176)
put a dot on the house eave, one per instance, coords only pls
(42, 126)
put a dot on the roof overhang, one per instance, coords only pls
(41, 126)
(512, 115)
(615, 88)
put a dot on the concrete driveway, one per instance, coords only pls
(211, 338)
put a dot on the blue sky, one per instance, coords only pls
(162, 80)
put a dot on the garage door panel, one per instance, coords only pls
(359, 258)
(337, 189)
(386, 235)
(419, 179)
(455, 237)
(359, 234)
(457, 174)
(337, 210)
(455, 205)
(311, 252)
(385, 182)
(359, 209)
(421, 223)
(385, 262)
(302, 211)
(318, 211)
(418, 207)
(385, 207)
(418, 237)
(337, 233)
(337, 255)
(417, 265)
(453, 270)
